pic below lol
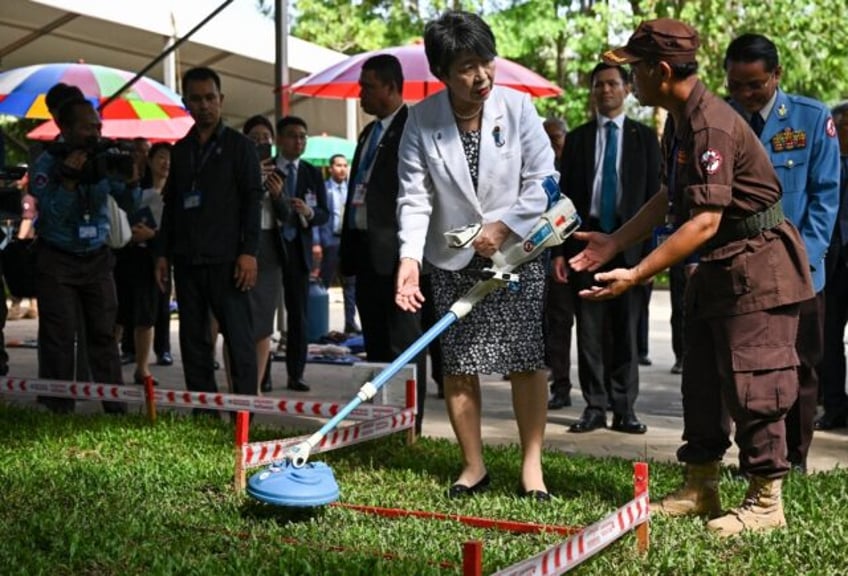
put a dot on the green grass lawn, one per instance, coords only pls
(115, 495)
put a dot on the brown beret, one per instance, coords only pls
(661, 39)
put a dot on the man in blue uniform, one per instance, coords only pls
(800, 138)
(74, 263)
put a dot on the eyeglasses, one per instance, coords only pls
(750, 86)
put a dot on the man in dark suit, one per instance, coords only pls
(832, 367)
(369, 248)
(609, 169)
(305, 191)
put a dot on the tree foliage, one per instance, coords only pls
(563, 39)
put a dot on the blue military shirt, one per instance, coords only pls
(800, 138)
(61, 211)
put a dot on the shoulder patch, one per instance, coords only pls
(711, 161)
(830, 127)
(40, 180)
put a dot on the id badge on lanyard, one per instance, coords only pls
(193, 198)
(359, 194)
(86, 230)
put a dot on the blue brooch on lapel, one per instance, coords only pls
(497, 134)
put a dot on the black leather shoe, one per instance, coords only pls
(644, 361)
(298, 385)
(831, 421)
(628, 424)
(352, 329)
(559, 400)
(165, 359)
(461, 490)
(678, 367)
(591, 420)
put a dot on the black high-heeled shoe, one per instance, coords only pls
(461, 490)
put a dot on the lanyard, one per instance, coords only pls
(206, 153)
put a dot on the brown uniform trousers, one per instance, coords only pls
(745, 364)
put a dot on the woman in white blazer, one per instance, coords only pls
(477, 153)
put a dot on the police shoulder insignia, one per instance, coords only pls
(711, 160)
(830, 127)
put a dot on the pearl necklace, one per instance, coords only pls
(471, 116)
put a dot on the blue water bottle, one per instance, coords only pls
(317, 311)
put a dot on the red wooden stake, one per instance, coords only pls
(242, 425)
(640, 486)
(411, 402)
(150, 399)
(472, 558)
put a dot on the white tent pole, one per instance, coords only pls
(350, 120)
(281, 68)
(169, 66)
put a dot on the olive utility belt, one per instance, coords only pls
(732, 230)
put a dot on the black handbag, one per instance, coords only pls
(19, 267)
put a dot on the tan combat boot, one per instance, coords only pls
(762, 509)
(698, 497)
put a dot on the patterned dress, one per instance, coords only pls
(503, 332)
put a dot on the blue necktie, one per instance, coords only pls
(290, 227)
(609, 179)
(368, 158)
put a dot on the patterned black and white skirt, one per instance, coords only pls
(503, 332)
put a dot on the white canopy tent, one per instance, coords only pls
(239, 44)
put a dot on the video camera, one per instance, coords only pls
(10, 194)
(106, 159)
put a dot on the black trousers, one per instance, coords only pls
(832, 367)
(677, 287)
(559, 319)
(4, 311)
(296, 296)
(162, 328)
(69, 285)
(201, 288)
(643, 325)
(387, 329)
(617, 319)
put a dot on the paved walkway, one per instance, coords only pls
(658, 405)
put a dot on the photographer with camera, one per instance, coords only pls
(71, 182)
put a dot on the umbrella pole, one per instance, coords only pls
(162, 56)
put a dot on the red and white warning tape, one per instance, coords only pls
(186, 399)
(563, 557)
(262, 453)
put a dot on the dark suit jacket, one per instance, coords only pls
(309, 180)
(381, 204)
(640, 175)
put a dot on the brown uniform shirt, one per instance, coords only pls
(714, 159)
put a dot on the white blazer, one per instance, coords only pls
(436, 193)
